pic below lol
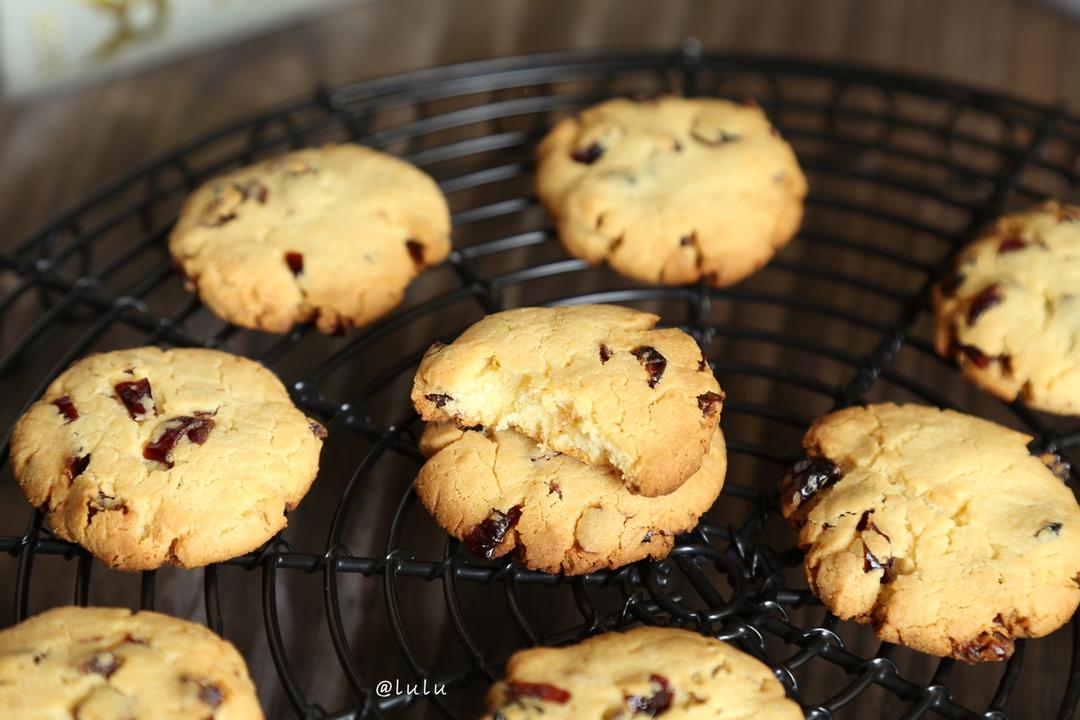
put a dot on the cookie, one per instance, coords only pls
(672, 190)
(596, 382)
(112, 664)
(500, 492)
(148, 456)
(329, 235)
(1009, 314)
(645, 672)
(939, 528)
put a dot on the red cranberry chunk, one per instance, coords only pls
(588, 155)
(809, 476)
(987, 298)
(654, 362)
(710, 403)
(76, 466)
(210, 694)
(657, 703)
(1057, 465)
(605, 353)
(540, 691)
(438, 399)
(137, 397)
(258, 191)
(871, 563)
(66, 408)
(977, 356)
(104, 664)
(195, 428)
(485, 537)
(416, 252)
(1011, 244)
(988, 646)
(295, 261)
(317, 429)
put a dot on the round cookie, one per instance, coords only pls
(645, 672)
(499, 492)
(331, 235)
(148, 456)
(593, 381)
(939, 528)
(1009, 314)
(112, 664)
(672, 190)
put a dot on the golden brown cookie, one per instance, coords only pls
(112, 664)
(331, 235)
(672, 190)
(597, 382)
(148, 456)
(938, 528)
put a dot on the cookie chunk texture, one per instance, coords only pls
(330, 235)
(1009, 313)
(148, 456)
(672, 190)
(500, 493)
(645, 672)
(112, 664)
(940, 529)
(596, 382)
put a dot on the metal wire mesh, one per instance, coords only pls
(362, 587)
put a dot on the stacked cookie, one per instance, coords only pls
(576, 438)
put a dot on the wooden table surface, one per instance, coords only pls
(55, 148)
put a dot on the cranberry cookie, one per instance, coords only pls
(593, 381)
(149, 456)
(331, 235)
(500, 493)
(104, 663)
(672, 190)
(939, 528)
(1008, 313)
(646, 672)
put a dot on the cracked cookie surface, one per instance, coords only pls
(112, 664)
(672, 190)
(593, 381)
(331, 235)
(148, 456)
(1009, 313)
(644, 672)
(939, 528)
(500, 493)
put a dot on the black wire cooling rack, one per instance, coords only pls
(362, 587)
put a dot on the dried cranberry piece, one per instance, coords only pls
(1057, 465)
(66, 408)
(987, 298)
(1051, 528)
(656, 704)
(1011, 244)
(317, 428)
(295, 261)
(76, 466)
(605, 353)
(709, 403)
(485, 537)
(255, 189)
(104, 664)
(103, 502)
(210, 694)
(137, 397)
(809, 476)
(648, 537)
(588, 155)
(540, 691)
(196, 429)
(654, 362)
(438, 399)
(871, 563)
(416, 252)
(977, 356)
(988, 646)
(702, 364)
(865, 523)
